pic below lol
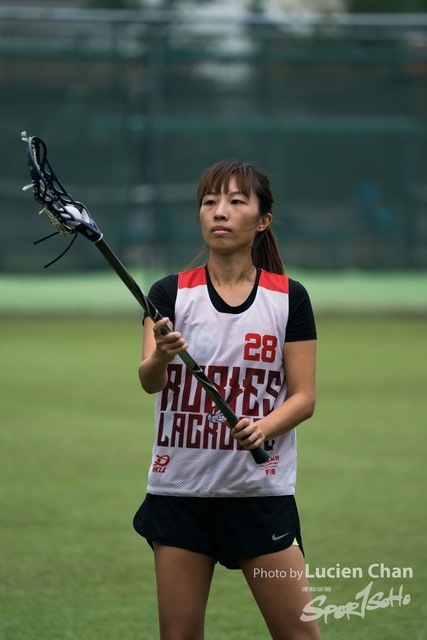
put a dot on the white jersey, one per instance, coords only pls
(242, 354)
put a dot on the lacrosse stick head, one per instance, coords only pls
(66, 214)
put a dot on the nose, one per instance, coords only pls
(221, 209)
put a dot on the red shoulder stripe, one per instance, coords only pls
(274, 282)
(193, 278)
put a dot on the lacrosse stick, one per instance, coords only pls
(69, 216)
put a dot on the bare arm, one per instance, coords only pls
(300, 363)
(157, 351)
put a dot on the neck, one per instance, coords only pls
(230, 272)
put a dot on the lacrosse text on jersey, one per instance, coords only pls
(196, 423)
(242, 354)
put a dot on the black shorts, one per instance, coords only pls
(224, 528)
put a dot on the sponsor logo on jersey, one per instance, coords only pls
(216, 415)
(160, 463)
(270, 466)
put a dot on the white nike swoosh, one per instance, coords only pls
(274, 537)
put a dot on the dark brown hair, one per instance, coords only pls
(265, 251)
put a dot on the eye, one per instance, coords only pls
(237, 201)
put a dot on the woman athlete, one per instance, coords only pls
(252, 331)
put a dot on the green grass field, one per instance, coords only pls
(76, 434)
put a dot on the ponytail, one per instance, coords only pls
(265, 252)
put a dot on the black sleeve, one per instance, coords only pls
(163, 295)
(301, 324)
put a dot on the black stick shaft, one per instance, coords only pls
(259, 455)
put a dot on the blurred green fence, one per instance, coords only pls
(133, 105)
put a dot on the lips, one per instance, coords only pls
(219, 231)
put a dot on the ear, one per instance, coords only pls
(264, 222)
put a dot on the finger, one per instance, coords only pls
(249, 436)
(169, 338)
(258, 442)
(180, 349)
(171, 349)
(240, 426)
(253, 440)
(158, 326)
(173, 341)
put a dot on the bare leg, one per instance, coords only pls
(280, 597)
(183, 582)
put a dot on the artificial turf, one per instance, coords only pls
(76, 436)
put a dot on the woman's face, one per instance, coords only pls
(230, 220)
